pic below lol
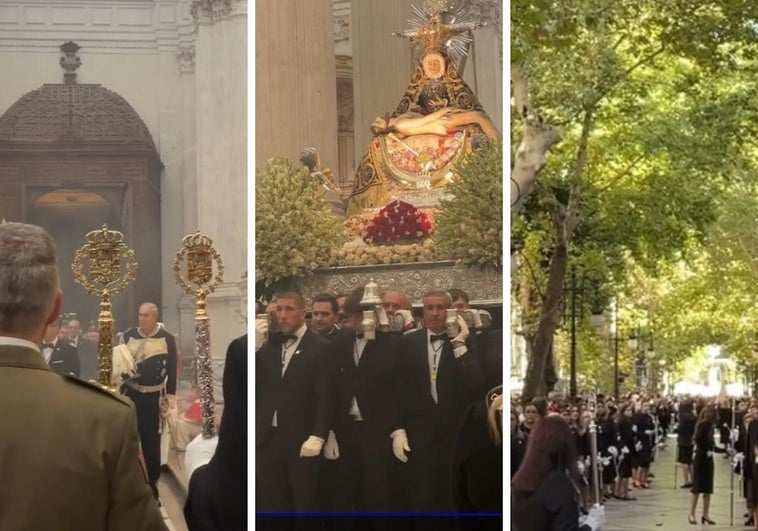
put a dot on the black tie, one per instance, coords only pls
(437, 337)
(48, 345)
(359, 336)
(290, 337)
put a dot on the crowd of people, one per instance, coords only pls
(551, 458)
(353, 416)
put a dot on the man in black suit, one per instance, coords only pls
(294, 411)
(366, 381)
(440, 377)
(59, 354)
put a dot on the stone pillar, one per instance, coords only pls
(180, 304)
(295, 93)
(484, 65)
(221, 120)
(381, 62)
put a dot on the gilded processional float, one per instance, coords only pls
(405, 171)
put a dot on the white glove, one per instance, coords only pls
(735, 435)
(634, 428)
(580, 466)
(649, 432)
(476, 318)
(638, 446)
(459, 341)
(199, 452)
(613, 451)
(381, 317)
(625, 450)
(331, 448)
(261, 332)
(408, 321)
(709, 454)
(596, 518)
(463, 331)
(312, 446)
(400, 443)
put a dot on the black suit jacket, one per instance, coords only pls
(64, 359)
(460, 382)
(374, 382)
(302, 397)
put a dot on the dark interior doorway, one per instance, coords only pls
(68, 214)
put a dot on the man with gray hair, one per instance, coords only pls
(440, 377)
(153, 388)
(45, 448)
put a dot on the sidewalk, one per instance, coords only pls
(662, 506)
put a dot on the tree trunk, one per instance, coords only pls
(535, 381)
(539, 136)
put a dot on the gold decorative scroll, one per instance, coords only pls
(193, 271)
(104, 251)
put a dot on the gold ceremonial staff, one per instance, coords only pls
(105, 250)
(198, 253)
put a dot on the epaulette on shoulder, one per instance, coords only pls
(97, 387)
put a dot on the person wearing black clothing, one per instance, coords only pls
(519, 440)
(294, 410)
(685, 433)
(644, 432)
(606, 439)
(59, 354)
(477, 468)
(531, 415)
(154, 351)
(545, 494)
(626, 452)
(702, 464)
(440, 377)
(217, 492)
(366, 375)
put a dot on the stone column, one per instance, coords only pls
(221, 120)
(381, 62)
(295, 93)
(181, 303)
(484, 65)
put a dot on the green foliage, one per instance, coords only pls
(664, 94)
(294, 227)
(470, 225)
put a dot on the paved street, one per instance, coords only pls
(667, 508)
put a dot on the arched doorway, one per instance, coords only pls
(73, 157)
(68, 214)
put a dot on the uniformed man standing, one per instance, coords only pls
(69, 449)
(153, 389)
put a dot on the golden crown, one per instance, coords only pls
(433, 36)
(198, 242)
(104, 238)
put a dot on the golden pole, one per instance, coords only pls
(198, 254)
(104, 250)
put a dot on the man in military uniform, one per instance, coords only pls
(61, 471)
(153, 388)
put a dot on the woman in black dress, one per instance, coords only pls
(545, 493)
(626, 452)
(644, 431)
(702, 464)
(684, 435)
(607, 441)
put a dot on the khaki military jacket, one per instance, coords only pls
(68, 453)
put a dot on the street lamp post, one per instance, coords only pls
(572, 380)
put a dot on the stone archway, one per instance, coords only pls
(76, 156)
